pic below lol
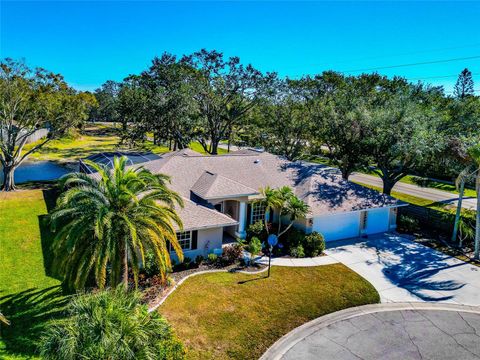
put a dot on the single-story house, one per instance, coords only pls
(219, 193)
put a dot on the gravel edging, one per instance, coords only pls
(289, 340)
(162, 299)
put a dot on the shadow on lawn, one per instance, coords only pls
(50, 196)
(29, 312)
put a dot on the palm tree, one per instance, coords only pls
(295, 209)
(110, 325)
(464, 175)
(286, 202)
(270, 201)
(106, 225)
(474, 152)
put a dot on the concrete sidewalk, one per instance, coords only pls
(300, 262)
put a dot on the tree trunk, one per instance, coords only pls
(345, 173)
(214, 147)
(477, 226)
(458, 213)
(125, 269)
(8, 178)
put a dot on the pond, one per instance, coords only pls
(38, 171)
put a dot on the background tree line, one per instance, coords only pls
(385, 125)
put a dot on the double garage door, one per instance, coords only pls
(349, 225)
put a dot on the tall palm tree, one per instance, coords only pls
(105, 224)
(474, 152)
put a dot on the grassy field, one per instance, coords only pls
(238, 316)
(30, 293)
(95, 139)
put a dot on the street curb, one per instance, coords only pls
(286, 342)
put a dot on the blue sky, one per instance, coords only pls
(91, 42)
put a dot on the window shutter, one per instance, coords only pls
(194, 239)
(249, 214)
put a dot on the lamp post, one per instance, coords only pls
(272, 241)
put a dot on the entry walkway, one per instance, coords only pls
(301, 262)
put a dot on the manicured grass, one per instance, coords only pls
(238, 316)
(95, 138)
(409, 198)
(30, 294)
(195, 146)
(415, 180)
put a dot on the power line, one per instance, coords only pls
(386, 56)
(413, 64)
(438, 77)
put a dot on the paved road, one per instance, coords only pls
(398, 334)
(404, 271)
(415, 190)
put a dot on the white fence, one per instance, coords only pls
(37, 135)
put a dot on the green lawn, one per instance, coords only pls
(30, 294)
(238, 316)
(409, 198)
(95, 139)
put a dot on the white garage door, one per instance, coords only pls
(336, 227)
(377, 221)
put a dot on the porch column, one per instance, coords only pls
(242, 220)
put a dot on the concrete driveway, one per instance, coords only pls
(404, 271)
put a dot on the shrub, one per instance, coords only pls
(150, 266)
(297, 251)
(212, 258)
(408, 224)
(292, 239)
(199, 260)
(254, 247)
(314, 244)
(187, 262)
(231, 254)
(133, 332)
(257, 230)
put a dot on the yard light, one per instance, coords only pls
(272, 241)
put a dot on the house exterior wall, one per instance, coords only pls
(207, 241)
(378, 220)
(338, 226)
(348, 225)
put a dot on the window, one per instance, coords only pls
(185, 240)
(258, 212)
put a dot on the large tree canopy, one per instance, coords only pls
(225, 92)
(31, 100)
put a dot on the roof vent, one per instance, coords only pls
(256, 161)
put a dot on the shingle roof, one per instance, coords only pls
(321, 187)
(195, 216)
(214, 186)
